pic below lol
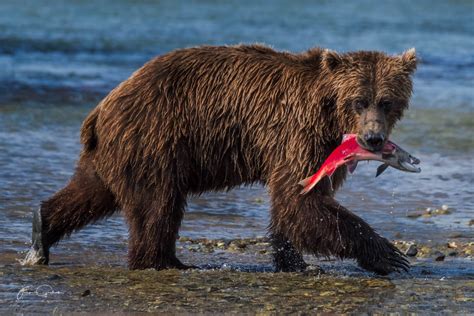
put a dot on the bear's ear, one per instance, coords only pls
(331, 59)
(409, 60)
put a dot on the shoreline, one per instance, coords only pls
(246, 285)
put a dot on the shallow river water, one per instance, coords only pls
(58, 59)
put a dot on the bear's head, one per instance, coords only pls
(372, 90)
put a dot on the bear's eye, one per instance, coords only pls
(360, 105)
(385, 105)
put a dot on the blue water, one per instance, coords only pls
(59, 58)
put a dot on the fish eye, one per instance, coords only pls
(360, 105)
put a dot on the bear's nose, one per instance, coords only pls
(374, 141)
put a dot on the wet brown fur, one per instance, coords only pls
(212, 118)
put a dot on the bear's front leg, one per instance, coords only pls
(285, 257)
(317, 224)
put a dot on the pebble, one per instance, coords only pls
(184, 239)
(327, 293)
(415, 214)
(211, 289)
(54, 277)
(412, 251)
(442, 211)
(86, 293)
(452, 244)
(236, 246)
(439, 256)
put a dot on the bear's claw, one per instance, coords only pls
(390, 260)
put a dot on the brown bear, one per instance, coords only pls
(212, 118)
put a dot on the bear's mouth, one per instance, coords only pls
(360, 140)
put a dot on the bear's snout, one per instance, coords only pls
(374, 141)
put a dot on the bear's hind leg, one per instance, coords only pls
(85, 199)
(154, 229)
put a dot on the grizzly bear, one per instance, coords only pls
(213, 118)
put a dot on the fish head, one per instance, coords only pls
(372, 90)
(396, 157)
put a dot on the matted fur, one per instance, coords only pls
(212, 118)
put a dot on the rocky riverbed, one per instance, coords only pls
(235, 276)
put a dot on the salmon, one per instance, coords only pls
(350, 152)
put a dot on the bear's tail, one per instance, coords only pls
(88, 132)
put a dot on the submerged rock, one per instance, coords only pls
(415, 214)
(412, 251)
(439, 256)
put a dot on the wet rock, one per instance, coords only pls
(194, 248)
(427, 215)
(439, 256)
(270, 307)
(415, 214)
(442, 211)
(54, 277)
(211, 289)
(376, 283)
(237, 245)
(471, 222)
(314, 269)
(86, 293)
(184, 239)
(452, 244)
(457, 235)
(412, 251)
(425, 250)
